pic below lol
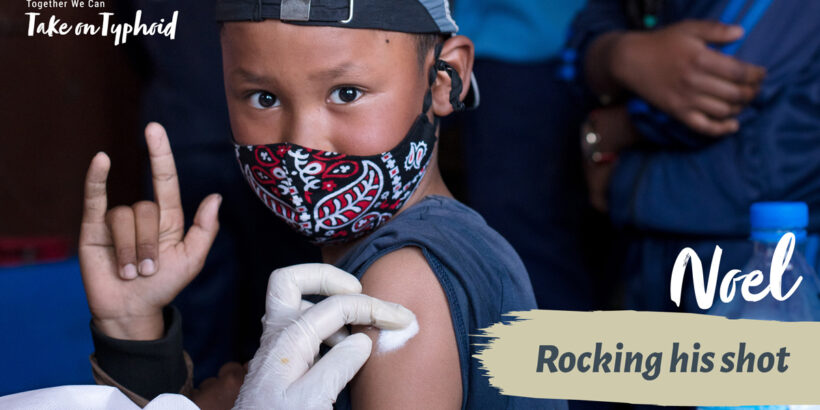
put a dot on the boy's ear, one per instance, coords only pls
(458, 52)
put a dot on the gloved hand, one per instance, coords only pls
(282, 374)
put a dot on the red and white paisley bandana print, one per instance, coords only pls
(331, 197)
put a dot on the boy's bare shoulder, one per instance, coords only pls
(401, 273)
(429, 363)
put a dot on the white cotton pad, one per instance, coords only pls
(390, 340)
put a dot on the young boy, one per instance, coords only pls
(334, 107)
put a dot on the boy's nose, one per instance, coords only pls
(310, 128)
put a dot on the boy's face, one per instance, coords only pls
(350, 91)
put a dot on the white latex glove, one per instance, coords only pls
(89, 398)
(282, 374)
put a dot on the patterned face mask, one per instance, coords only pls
(333, 198)
(330, 197)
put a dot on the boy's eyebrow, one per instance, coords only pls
(249, 76)
(338, 71)
(331, 73)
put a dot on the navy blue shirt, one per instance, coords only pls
(480, 273)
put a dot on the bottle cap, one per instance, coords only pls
(770, 220)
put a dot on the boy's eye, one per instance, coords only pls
(263, 100)
(345, 95)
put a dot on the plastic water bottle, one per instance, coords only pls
(769, 222)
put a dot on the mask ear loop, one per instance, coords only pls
(431, 79)
(456, 85)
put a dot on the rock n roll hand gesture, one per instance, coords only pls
(136, 259)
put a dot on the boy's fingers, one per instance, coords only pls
(120, 221)
(146, 214)
(163, 172)
(95, 201)
(203, 232)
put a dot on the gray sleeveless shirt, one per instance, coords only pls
(480, 273)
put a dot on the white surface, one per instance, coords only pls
(89, 398)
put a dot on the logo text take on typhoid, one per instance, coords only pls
(105, 27)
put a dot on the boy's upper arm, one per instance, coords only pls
(425, 372)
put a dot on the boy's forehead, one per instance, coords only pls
(316, 48)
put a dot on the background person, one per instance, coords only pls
(710, 107)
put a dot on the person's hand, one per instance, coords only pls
(217, 393)
(605, 133)
(674, 69)
(282, 373)
(135, 259)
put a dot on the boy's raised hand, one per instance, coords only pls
(135, 260)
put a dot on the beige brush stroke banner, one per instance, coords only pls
(511, 358)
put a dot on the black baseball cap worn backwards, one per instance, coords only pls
(405, 16)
